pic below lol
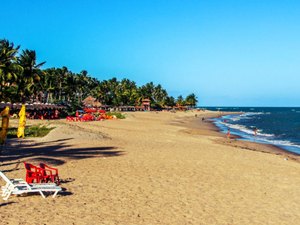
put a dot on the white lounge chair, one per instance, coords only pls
(19, 186)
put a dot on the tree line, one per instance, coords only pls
(23, 80)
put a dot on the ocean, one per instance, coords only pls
(279, 126)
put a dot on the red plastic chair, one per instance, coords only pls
(33, 173)
(70, 119)
(50, 173)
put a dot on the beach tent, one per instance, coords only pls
(22, 122)
(5, 121)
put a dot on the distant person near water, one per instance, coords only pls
(255, 131)
(228, 134)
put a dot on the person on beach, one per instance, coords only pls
(255, 131)
(228, 134)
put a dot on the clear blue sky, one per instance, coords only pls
(228, 52)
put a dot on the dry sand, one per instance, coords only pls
(154, 168)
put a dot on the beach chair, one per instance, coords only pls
(49, 173)
(70, 119)
(19, 186)
(14, 181)
(34, 174)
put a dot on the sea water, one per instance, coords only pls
(274, 125)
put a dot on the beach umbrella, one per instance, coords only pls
(22, 122)
(5, 121)
(97, 104)
(88, 101)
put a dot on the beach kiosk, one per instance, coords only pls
(146, 104)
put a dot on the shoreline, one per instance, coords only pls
(207, 128)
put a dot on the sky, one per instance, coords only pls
(227, 52)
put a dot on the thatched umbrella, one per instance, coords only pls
(97, 104)
(88, 101)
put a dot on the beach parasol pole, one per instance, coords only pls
(22, 122)
(5, 122)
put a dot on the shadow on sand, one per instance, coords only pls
(6, 203)
(54, 152)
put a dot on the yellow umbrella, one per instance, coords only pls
(22, 122)
(5, 121)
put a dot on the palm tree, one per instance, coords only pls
(72, 87)
(61, 77)
(191, 100)
(9, 70)
(31, 73)
(170, 101)
(126, 92)
(180, 101)
(47, 83)
(160, 95)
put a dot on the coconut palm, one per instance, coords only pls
(126, 92)
(180, 101)
(47, 83)
(31, 73)
(191, 100)
(170, 101)
(160, 95)
(22, 78)
(9, 70)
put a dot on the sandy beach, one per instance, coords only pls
(154, 168)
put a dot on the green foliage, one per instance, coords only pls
(191, 100)
(31, 131)
(180, 101)
(116, 114)
(23, 79)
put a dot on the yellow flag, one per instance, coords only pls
(5, 122)
(22, 122)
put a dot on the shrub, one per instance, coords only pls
(116, 114)
(31, 131)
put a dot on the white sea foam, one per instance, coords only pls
(248, 133)
(253, 113)
(261, 137)
(240, 128)
(244, 129)
(235, 119)
(284, 143)
(265, 135)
